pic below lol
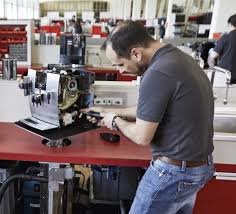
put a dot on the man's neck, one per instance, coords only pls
(152, 50)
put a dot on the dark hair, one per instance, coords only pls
(232, 20)
(125, 36)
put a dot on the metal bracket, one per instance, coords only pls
(56, 177)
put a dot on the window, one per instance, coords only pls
(1, 9)
(99, 6)
(19, 9)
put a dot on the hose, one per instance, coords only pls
(12, 178)
(32, 170)
(122, 207)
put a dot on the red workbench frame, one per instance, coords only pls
(86, 148)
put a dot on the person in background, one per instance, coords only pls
(71, 26)
(73, 18)
(78, 27)
(174, 116)
(162, 30)
(225, 50)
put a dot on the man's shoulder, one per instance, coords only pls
(224, 37)
(170, 61)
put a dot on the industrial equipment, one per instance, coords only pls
(55, 99)
(72, 49)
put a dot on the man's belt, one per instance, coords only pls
(179, 162)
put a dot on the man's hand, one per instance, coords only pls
(96, 109)
(213, 55)
(107, 116)
(107, 120)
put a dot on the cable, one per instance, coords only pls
(100, 59)
(32, 170)
(10, 179)
(80, 173)
(122, 207)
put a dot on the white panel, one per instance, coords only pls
(40, 54)
(224, 152)
(127, 9)
(120, 9)
(136, 11)
(150, 9)
(69, 14)
(53, 14)
(16, 107)
(1, 9)
(88, 15)
(223, 9)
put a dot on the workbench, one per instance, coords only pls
(86, 148)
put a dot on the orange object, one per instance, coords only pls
(51, 29)
(96, 30)
(104, 34)
(216, 35)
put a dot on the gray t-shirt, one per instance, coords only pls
(176, 93)
(226, 48)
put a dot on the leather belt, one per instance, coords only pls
(179, 162)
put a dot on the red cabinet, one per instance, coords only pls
(219, 195)
(12, 35)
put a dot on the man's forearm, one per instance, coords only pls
(211, 61)
(213, 55)
(128, 129)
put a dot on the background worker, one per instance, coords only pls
(174, 116)
(225, 50)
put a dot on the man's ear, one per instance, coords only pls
(136, 54)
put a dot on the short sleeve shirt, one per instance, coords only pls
(176, 93)
(226, 48)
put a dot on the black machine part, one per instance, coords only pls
(58, 133)
(109, 137)
(13, 178)
(95, 114)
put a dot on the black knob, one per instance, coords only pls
(48, 97)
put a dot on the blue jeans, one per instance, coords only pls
(170, 189)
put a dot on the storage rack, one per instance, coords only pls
(15, 40)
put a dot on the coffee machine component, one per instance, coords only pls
(26, 85)
(9, 69)
(72, 49)
(55, 100)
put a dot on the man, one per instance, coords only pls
(162, 30)
(225, 50)
(174, 115)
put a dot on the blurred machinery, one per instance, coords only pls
(201, 51)
(72, 49)
(7, 205)
(55, 99)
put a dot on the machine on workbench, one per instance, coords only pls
(55, 99)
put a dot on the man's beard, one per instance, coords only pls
(139, 70)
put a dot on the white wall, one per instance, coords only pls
(16, 106)
(50, 54)
(117, 9)
(136, 11)
(150, 9)
(45, 54)
(222, 10)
